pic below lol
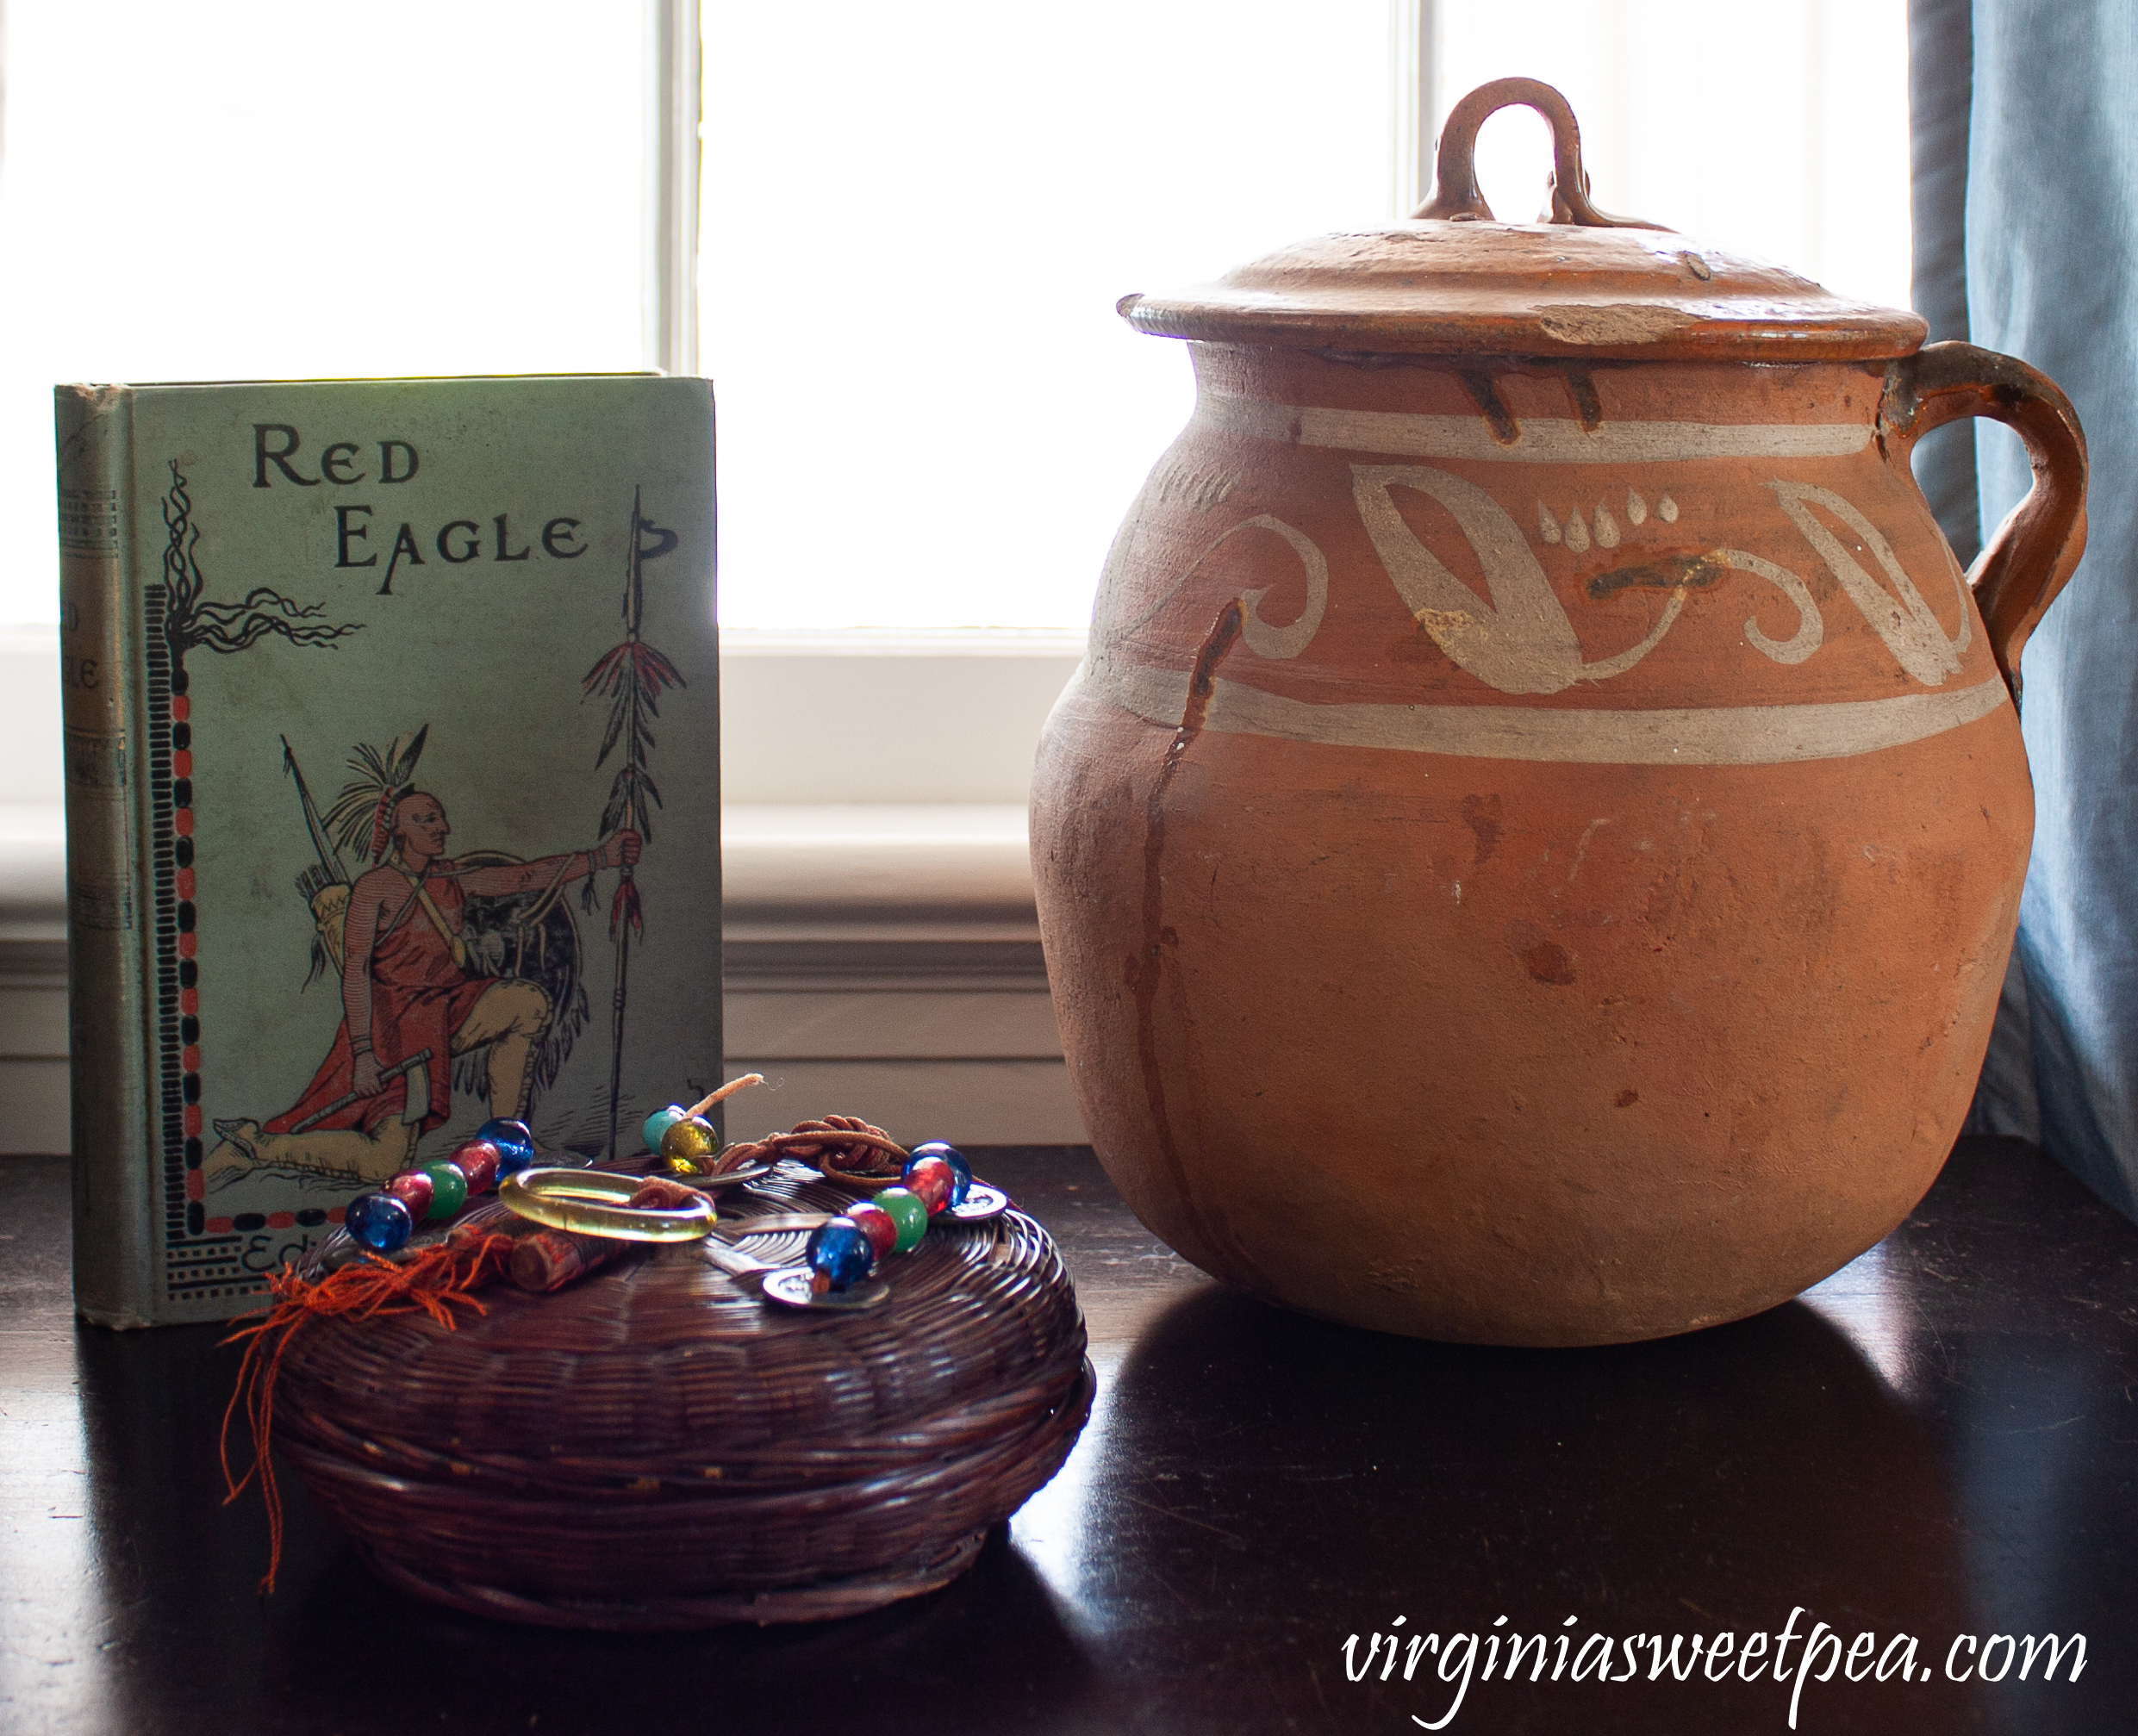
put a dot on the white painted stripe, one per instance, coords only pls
(1695, 736)
(1539, 439)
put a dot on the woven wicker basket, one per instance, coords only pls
(656, 1447)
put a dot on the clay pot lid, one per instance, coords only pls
(1456, 281)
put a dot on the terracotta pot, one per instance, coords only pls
(1531, 852)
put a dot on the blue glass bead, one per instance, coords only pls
(839, 1253)
(660, 1121)
(960, 1171)
(514, 1143)
(379, 1221)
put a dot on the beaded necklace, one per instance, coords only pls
(383, 1221)
(842, 1253)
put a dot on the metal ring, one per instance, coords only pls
(586, 1203)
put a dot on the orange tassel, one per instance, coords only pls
(433, 1282)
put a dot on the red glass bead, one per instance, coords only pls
(932, 1180)
(478, 1160)
(877, 1225)
(413, 1188)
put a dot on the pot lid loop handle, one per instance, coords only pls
(1456, 195)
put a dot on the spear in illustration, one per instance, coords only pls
(631, 676)
(329, 857)
(325, 886)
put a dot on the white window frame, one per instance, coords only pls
(674, 102)
(882, 939)
(673, 167)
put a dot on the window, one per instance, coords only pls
(916, 225)
(236, 189)
(917, 221)
(1778, 130)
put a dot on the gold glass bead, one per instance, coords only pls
(690, 1147)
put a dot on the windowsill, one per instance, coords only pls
(866, 716)
(870, 858)
(874, 779)
(868, 865)
(901, 641)
(881, 948)
(33, 873)
(882, 954)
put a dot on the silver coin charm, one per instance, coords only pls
(789, 1286)
(982, 1203)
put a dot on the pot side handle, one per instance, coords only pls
(2036, 549)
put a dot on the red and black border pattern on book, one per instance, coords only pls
(204, 1258)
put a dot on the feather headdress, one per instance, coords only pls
(362, 814)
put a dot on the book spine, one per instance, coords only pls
(114, 1173)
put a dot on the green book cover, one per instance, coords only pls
(393, 797)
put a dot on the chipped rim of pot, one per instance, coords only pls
(1433, 286)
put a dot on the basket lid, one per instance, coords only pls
(656, 1447)
(1454, 280)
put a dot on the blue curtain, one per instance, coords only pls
(2050, 229)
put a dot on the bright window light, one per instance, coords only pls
(917, 221)
(1778, 129)
(227, 191)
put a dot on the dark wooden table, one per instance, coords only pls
(1938, 1442)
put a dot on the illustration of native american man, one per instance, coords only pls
(439, 961)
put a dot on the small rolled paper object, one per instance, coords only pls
(547, 1260)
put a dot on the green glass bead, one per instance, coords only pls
(908, 1212)
(694, 1140)
(659, 1122)
(449, 1189)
